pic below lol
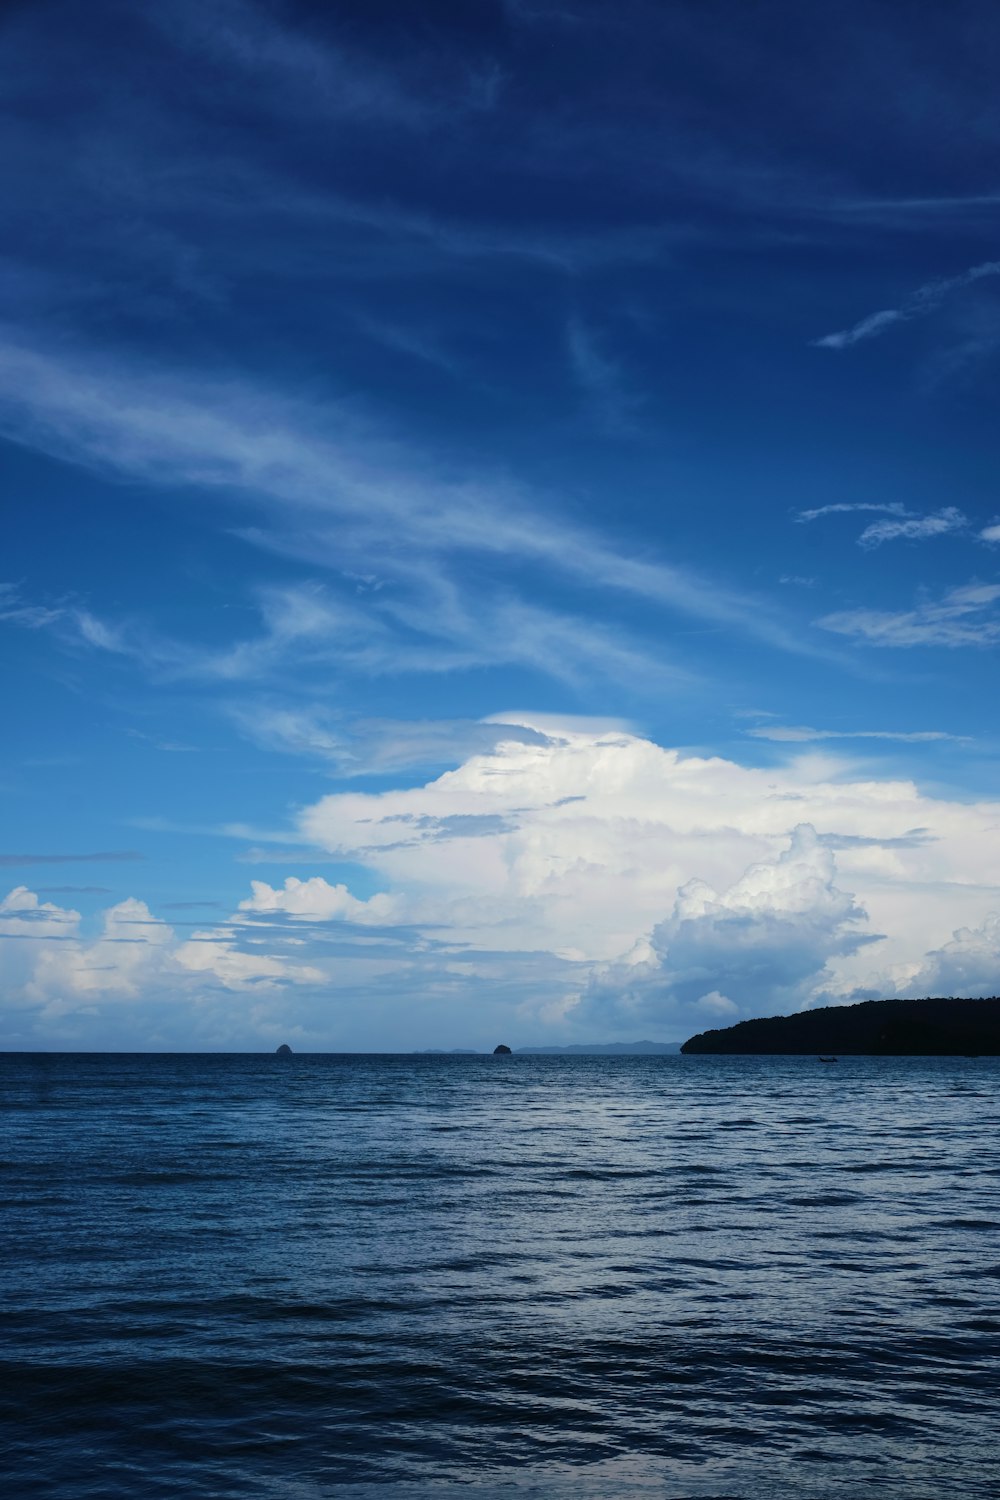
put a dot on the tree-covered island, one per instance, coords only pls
(872, 1028)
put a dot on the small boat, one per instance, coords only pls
(829, 1059)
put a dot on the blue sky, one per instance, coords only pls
(502, 536)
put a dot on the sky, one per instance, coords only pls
(501, 532)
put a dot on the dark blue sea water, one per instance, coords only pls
(477, 1276)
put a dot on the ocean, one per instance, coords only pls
(423, 1276)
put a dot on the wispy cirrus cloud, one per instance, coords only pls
(796, 734)
(73, 890)
(916, 211)
(965, 616)
(112, 856)
(18, 611)
(891, 508)
(907, 525)
(308, 627)
(914, 529)
(66, 617)
(609, 401)
(363, 747)
(925, 300)
(331, 488)
(415, 343)
(297, 71)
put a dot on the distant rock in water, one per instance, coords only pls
(284, 1050)
(501, 1051)
(874, 1028)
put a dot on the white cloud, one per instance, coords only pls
(767, 938)
(867, 328)
(991, 533)
(28, 928)
(18, 612)
(317, 900)
(926, 299)
(916, 529)
(719, 1005)
(906, 524)
(215, 955)
(968, 965)
(330, 488)
(892, 508)
(798, 734)
(964, 616)
(50, 965)
(365, 746)
(528, 888)
(307, 625)
(577, 845)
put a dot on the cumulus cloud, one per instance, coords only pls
(991, 533)
(21, 907)
(52, 966)
(559, 884)
(217, 955)
(767, 939)
(968, 965)
(576, 846)
(316, 900)
(719, 1005)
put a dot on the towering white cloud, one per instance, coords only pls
(575, 882)
(766, 941)
(578, 844)
(967, 965)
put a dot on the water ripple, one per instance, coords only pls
(479, 1277)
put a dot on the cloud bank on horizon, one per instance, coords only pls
(357, 384)
(546, 885)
